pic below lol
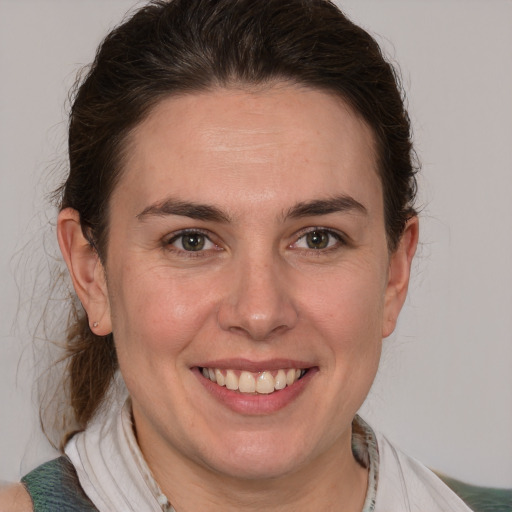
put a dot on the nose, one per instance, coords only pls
(258, 303)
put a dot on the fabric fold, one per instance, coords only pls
(116, 478)
(111, 468)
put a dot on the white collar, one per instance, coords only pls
(116, 478)
(111, 468)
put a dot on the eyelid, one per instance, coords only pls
(169, 239)
(338, 235)
(187, 231)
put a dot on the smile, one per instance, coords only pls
(264, 382)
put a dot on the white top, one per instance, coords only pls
(404, 484)
(116, 478)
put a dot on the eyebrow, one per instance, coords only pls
(337, 204)
(172, 206)
(315, 207)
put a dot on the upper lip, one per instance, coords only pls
(254, 366)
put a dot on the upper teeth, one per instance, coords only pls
(247, 382)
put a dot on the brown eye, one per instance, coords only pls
(318, 239)
(191, 242)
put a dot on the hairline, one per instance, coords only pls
(237, 84)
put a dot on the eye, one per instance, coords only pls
(191, 241)
(318, 239)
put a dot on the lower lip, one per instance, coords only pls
(256, 404)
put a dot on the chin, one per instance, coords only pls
(258, 458)
(257, 468)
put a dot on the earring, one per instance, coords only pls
(95, 324)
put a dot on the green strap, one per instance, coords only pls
(480, 499)
(54, 486)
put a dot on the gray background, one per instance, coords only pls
(444, 392)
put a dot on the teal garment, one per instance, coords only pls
(54, 486)
(480, 499)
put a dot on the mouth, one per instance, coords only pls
(265, 382)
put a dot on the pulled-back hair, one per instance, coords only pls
(183, 46)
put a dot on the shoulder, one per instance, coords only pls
(54, 485)
(15, 498)
(406, 484)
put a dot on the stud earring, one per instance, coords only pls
(95, 324)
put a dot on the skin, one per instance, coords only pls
(256, 292)
(15, 498)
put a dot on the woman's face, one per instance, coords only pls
(247, 241)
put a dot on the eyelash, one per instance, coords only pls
(168, 243)
(339, 240)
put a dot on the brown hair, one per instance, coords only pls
(182, 46)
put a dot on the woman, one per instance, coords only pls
(238, 225)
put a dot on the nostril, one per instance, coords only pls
(259, 334)
(257, 308)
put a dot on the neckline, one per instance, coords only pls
(114, 474)
(364, 449)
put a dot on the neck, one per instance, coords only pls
(333, 481)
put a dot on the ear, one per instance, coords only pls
(398, 275)
(86, 271)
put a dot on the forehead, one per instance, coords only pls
(265, 147)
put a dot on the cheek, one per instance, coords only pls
(349, 305)
(348, 316)
(155, 313)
